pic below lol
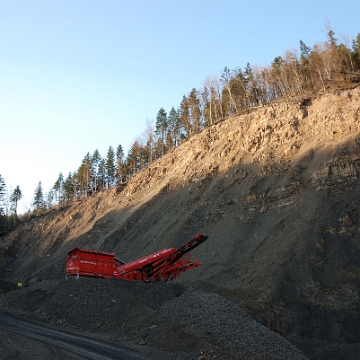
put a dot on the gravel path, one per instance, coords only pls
(229, 323)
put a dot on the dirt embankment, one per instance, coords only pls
(277, 190)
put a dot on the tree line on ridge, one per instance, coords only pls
(295, 74)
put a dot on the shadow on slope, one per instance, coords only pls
(284, 245)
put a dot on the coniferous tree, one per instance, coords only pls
(110, 167)
(95, 163)
(2, 205)
(69, 194)
(149, 136)
(238, 86)
(144, 156)
(161, 128)
(84, 176)
(277, 77)
(330, 56)
(174, 126)
(50, 199)
(236, 90)
(120, 163)
(39, 203)
(195, 111)
(75, 182)
(307, 80)
(102, 173)
(2, 196)
(184, 117)
(331, 38)
(134, 157)
(205, 104)
(304, 50)
(16, 196)
(58, 187)
(253, 91)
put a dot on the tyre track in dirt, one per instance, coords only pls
(61, 343)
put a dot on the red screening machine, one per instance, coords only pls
(166, 264)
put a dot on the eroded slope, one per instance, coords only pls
(277, 191)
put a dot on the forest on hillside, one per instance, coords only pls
(296, 74)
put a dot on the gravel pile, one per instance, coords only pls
(229, 323)
(189, 323)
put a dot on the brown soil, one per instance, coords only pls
(277, 191)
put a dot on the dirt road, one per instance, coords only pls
(22, 339)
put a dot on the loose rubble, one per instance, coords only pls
(162, 316)
(229, 323)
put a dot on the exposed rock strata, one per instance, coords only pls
(276, 189)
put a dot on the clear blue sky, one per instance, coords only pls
(76, 75)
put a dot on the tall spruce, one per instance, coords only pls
(84, 176)
(69, 194)
(3, 227)
(15, 197)
(304, 50)
(174, 126)
(50, 197)
(110, 167)
(2, 196)
(120, 163)
(184, 117)
(161, 128)
(195, 111)
(102, 174)
(95, 163)
(39, 203)
(58, 187)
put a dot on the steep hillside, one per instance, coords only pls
(277, 191)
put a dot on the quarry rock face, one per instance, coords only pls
(276, 189)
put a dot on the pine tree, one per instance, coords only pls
(161, 128)
(50, 199)
(74, 185)
(150, 140)
(304, 50)
(174, 126)
(279, 87)
(194, 107)
(184, 117)
(133, 158)
(15, 198)
(69, 193)
(39, 203)
(120, 163)
(307, 80)
(95, 162)
(331, 38)
(84, 176)
(58, 187)
(110, 167)
(2, 196)
(102, 174)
